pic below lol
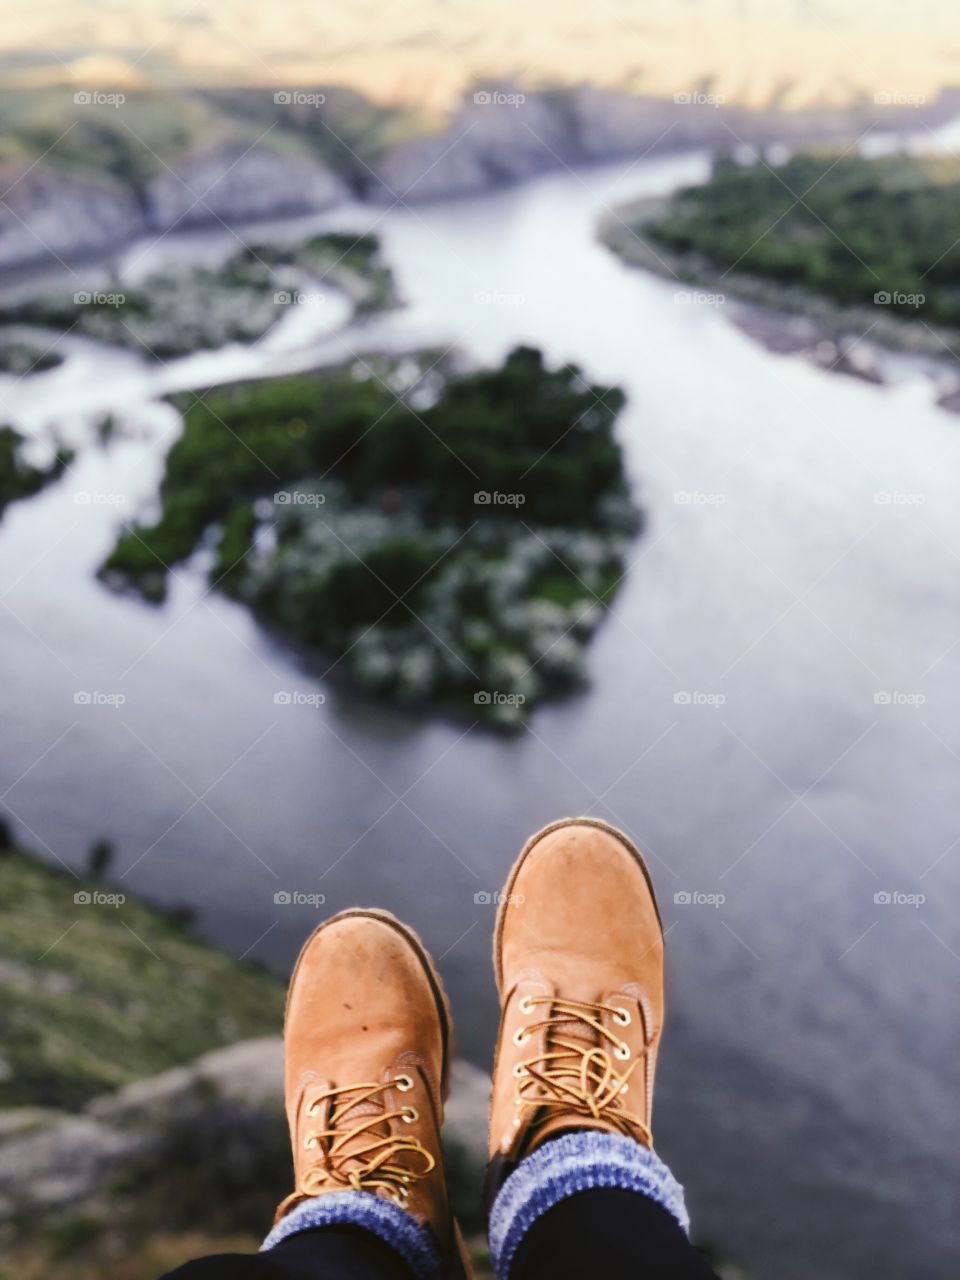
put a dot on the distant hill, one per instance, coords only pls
(87, 170)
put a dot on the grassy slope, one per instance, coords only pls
(95, 996)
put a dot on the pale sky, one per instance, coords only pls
(428, 51)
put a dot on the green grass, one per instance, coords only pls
(840, 226)
(95, 996)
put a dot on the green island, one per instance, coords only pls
(459, 551)
(187, 308)
(20, 478)
(865, 233)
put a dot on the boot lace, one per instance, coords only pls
(361, 1153)
(574, 1075)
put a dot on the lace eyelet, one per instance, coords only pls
(309, 1142)
(410, 1115)
(622, 1052)
(525, 1006)
(520, 1036)
(622, 1018)
(403, 1083)
(519, 1070)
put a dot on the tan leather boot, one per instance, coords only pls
(578, 956)
(367, 1048)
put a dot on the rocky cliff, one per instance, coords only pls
(297, 162)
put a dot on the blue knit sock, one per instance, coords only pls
(397, 1228)
(578, 1161)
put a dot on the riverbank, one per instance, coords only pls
(739, 239)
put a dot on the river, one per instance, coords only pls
(773, 711)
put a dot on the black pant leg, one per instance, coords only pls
(620, 1233)
(326, 1253)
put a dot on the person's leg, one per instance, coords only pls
(573, 1175)
(327, 1253)
(366, 1053)
(634, 1235)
